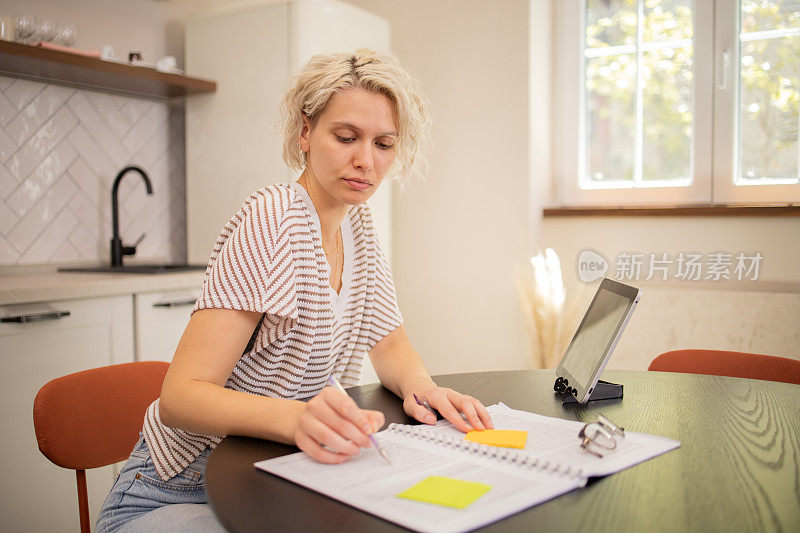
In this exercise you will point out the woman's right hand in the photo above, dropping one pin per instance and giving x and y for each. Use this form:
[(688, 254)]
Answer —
[(333, 420)]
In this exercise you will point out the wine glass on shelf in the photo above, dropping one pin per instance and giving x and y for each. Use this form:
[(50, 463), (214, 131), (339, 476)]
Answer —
[(47, 30), (24, 28), (67, 34)]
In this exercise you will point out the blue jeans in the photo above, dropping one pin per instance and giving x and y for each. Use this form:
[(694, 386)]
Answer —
[(141, 501)]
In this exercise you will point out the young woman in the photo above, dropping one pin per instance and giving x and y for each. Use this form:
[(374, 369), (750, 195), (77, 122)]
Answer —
[(299, 273)]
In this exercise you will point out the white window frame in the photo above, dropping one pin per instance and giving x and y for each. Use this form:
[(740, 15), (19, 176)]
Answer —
[(715, 118), (726, 114)]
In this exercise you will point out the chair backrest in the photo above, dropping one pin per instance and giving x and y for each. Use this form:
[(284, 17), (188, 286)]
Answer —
[(733, 364), (93, 418)]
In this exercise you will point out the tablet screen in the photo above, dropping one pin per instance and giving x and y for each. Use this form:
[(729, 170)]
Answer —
[(595, 335)]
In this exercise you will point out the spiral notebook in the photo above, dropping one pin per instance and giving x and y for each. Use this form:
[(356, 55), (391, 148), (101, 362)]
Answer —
[(551, 464)]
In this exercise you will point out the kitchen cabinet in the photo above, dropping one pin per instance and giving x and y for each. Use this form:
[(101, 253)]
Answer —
[(160, 319), (79, 321), (65, 336)]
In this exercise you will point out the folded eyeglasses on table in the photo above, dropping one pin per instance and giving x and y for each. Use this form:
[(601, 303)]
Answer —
[(599, 437)]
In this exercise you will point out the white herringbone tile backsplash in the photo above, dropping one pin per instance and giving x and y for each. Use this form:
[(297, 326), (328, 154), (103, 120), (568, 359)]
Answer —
[(60, 150)]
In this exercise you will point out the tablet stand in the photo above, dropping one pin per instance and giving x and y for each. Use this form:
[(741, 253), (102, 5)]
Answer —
[(602, 391)]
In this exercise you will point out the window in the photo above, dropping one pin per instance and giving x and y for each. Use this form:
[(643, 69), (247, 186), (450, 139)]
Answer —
[(677, 101)]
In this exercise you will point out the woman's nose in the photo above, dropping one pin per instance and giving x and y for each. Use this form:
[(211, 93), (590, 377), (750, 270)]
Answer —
[(363, 158)]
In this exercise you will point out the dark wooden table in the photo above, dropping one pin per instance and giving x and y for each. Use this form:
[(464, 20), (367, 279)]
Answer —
[(738, 467)]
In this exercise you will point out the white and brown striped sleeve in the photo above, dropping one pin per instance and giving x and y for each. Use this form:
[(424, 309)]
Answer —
[(249, 270)]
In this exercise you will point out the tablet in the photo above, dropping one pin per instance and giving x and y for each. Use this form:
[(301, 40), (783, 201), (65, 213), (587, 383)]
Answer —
[(596, 337)]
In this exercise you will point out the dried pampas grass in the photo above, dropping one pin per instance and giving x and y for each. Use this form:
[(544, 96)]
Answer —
[(551, 315)]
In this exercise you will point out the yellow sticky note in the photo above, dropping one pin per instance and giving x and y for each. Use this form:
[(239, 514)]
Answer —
[(445, 491), (504, 438)]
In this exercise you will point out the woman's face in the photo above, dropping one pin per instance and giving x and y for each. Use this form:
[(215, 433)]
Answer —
[(352, 145)]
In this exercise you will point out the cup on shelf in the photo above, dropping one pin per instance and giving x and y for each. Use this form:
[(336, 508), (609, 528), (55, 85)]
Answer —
[(107, 52), (135, 57), (167, 64)]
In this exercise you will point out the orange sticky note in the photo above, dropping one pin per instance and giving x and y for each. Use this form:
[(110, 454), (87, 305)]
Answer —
[(504, 438)]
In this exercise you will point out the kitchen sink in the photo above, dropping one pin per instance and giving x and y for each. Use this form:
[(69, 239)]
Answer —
[(135, 269)]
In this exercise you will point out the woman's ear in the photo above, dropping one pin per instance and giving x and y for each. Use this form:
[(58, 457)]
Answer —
[(304, 132)]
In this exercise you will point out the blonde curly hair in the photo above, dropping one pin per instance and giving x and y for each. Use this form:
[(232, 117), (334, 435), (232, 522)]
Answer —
[(323, 76)]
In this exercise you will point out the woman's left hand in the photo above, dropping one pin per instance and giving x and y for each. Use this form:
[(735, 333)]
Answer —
[(451, 405)]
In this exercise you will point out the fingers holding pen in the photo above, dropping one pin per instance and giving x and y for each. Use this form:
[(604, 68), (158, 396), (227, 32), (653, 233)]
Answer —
[(441, 399), (315, 443), (343, 419), (368, 422), (419, 408), (332, 428), (342, 426)]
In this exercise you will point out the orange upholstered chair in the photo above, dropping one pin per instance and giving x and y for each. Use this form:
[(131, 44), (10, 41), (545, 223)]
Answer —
[(93, 418), (733, 364)]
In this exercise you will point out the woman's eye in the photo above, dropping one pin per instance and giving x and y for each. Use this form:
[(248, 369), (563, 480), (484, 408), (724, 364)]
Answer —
[(384, 146), (345, 139)]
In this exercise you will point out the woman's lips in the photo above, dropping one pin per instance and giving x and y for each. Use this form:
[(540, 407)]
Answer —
[(357, 184)]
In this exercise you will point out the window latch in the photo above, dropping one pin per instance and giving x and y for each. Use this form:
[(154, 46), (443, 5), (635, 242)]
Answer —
[(723, 67)]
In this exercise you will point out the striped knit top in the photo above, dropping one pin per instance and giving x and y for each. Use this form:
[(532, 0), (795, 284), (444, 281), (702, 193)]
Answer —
[(269, 259)]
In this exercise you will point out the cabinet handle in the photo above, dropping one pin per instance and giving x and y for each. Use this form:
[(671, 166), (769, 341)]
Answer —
[(176, 303), (34, 317)]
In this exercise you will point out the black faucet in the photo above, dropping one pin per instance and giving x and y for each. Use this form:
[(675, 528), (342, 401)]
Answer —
[(117, 248)]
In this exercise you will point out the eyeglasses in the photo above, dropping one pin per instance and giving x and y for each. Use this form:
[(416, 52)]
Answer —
[(598, 437)]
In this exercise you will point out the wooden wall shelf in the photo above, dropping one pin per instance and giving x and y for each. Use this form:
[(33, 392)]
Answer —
[(42, 64)]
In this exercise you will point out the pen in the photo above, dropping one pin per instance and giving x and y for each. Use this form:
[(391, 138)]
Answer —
[(424, 403), (338, 386)]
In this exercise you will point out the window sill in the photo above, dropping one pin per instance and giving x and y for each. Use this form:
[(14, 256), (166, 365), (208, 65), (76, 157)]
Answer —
[(702, 210)]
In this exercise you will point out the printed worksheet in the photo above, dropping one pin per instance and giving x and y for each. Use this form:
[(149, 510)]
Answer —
[(552, 463)]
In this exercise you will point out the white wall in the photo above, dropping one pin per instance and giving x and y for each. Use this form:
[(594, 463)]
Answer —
[(740, 321), (459, 237), (775, 238)]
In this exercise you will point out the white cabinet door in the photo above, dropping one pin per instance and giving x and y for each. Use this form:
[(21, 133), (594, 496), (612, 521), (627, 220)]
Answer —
[(36, 495), (161, 318)]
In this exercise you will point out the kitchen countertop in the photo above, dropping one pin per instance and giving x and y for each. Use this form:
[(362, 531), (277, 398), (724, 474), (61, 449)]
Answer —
[(48, 285)]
